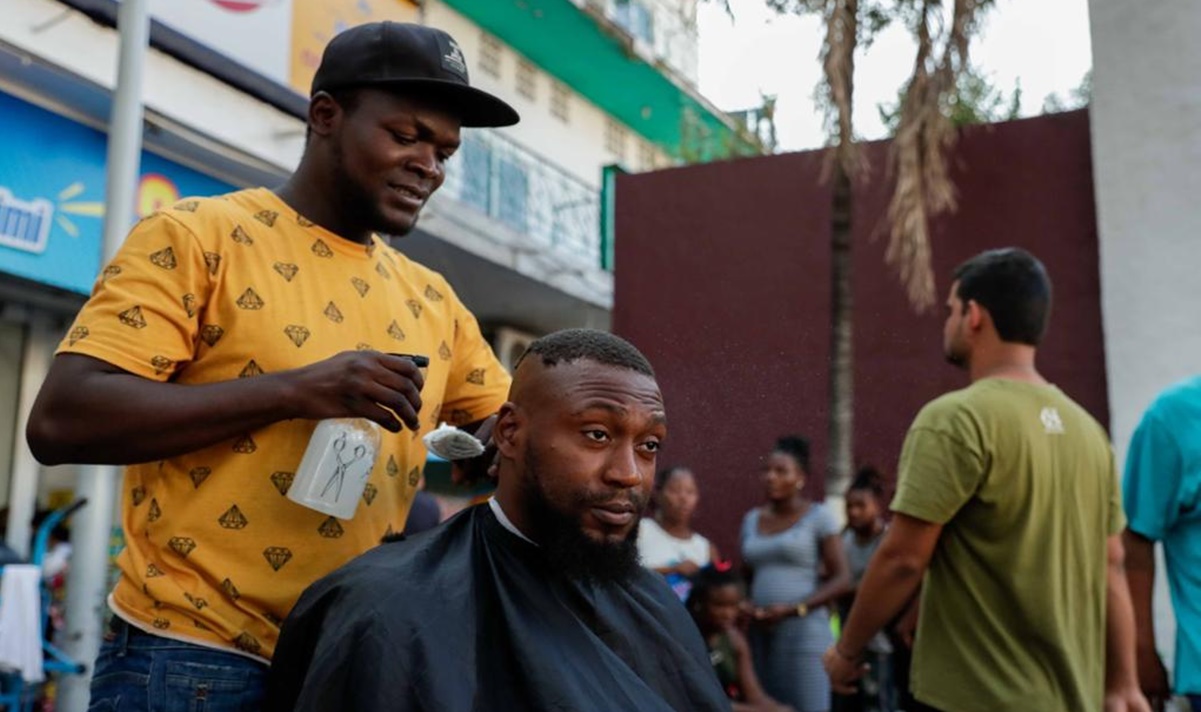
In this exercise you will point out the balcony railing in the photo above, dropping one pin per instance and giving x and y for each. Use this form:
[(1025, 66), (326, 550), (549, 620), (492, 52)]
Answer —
[(525, 192), (661, 26)]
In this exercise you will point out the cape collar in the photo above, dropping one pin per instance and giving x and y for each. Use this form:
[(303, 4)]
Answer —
[(504, 520)]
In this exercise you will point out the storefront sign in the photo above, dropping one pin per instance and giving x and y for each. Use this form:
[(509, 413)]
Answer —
[(279, 39), (52, 173)]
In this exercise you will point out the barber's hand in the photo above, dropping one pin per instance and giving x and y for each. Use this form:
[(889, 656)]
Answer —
[(358, 384), (687, 568), (483, 467), (843, 671), (1153, 678)]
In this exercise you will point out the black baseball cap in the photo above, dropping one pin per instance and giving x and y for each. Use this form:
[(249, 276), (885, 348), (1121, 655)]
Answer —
[(405, 56)]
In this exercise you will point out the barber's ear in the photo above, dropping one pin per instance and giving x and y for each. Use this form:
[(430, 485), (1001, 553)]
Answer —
[(324, 113), (507, 433)]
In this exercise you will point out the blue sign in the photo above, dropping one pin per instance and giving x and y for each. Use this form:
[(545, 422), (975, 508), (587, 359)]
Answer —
[(52, 173)]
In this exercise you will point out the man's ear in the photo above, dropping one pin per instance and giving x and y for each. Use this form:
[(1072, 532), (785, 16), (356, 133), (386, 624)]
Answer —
[(976, 315), (324, 114), (508, 431)]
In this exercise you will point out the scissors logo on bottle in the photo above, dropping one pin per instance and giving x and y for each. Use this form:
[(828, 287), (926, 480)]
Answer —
[(342, 466)]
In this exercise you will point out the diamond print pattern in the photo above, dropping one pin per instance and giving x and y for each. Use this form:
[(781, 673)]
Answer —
[(164, 258), (286, 270), (133, 317), (277, 556), (298, 334), (211, 334), (282, 481), (199, 475)]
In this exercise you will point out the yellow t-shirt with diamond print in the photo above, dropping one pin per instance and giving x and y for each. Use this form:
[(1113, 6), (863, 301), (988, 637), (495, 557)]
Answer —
[(234, 287)]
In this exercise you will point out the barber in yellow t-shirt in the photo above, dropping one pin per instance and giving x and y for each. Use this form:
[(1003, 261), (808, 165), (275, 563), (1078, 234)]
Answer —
[(225, 328)]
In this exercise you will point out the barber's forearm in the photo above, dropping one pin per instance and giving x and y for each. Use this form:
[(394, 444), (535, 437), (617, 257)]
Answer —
[(122, 419), (889, 584)]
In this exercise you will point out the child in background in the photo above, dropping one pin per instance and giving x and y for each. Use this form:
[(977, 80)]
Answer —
[(667, 543), (864, 531), (716, 602)]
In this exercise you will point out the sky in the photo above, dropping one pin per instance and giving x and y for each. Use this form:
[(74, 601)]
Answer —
[(1043, 44)]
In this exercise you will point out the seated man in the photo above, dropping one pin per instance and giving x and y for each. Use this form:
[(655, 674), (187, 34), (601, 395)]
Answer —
[(534, 602)]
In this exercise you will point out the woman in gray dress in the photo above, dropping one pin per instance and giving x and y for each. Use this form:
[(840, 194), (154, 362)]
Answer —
[(794, 554)]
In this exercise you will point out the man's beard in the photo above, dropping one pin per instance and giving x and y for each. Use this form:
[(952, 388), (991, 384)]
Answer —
[(567, 548), (956, 354)]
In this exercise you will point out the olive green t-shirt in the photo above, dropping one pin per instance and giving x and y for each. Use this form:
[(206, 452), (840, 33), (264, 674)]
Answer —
[(1013, 609)]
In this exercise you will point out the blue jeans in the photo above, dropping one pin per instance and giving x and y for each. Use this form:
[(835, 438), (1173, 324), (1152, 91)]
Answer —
[(139, 672)]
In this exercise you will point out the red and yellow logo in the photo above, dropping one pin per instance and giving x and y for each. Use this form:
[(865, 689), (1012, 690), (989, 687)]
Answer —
[(241, 5), (155, 192)]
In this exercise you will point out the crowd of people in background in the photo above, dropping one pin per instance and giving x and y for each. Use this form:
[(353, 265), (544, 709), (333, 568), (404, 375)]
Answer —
[(767, 622)]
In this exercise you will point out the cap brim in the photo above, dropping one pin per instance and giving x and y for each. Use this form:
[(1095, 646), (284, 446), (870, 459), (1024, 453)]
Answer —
[(476, 108)]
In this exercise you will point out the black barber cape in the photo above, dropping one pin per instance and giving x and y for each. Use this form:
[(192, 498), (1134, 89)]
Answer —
[(469, 617)]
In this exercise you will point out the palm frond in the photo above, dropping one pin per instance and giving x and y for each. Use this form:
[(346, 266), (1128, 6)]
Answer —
[(924, 137)]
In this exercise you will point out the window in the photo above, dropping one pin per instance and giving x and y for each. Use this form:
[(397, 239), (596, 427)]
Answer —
[(476, 172), (527, 77), (615, 139), (560, 100), (490, 53), (636, 18), (514, 183)]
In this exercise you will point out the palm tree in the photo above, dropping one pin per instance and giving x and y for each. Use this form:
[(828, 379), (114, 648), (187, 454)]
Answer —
[(917, 162)]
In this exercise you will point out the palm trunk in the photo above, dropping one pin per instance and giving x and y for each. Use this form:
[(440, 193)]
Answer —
[(842, 366), (842, 39)]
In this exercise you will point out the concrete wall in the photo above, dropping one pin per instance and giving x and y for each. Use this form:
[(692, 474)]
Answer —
[(1146, 123), (722, 279)]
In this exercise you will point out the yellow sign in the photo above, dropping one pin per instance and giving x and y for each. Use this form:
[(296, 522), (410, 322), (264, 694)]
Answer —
[(315, 22)]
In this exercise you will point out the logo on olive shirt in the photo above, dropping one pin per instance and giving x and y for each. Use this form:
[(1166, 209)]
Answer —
[(1052, 423)]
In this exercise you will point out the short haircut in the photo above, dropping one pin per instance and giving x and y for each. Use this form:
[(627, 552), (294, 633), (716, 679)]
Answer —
[(795, 447), (1015, 289), (868, 479), (570, 345)]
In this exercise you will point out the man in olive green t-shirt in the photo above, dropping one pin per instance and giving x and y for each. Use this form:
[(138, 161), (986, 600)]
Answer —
[(1008, 504)]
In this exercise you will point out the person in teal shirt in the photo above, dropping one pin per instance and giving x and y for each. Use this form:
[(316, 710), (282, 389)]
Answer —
[(1162, 493)]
